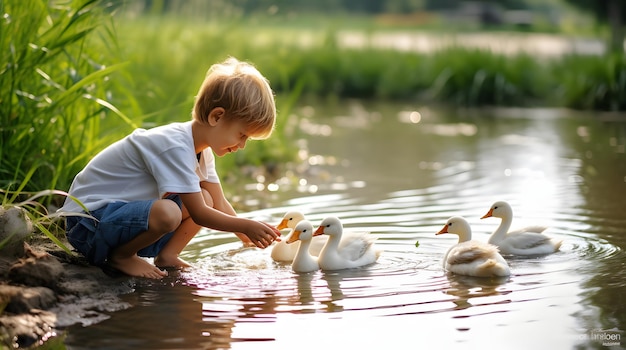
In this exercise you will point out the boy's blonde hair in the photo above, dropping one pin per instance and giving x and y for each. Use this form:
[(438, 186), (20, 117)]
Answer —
[(243, 92)]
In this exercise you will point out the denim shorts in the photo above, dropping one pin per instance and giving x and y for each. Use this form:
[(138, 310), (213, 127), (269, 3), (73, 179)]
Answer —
[(116, 224)]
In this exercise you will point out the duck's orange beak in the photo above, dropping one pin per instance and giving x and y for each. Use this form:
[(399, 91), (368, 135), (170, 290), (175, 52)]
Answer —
[(319, 231), (489, 214), (294, 236), (443, 230), (282, 225)]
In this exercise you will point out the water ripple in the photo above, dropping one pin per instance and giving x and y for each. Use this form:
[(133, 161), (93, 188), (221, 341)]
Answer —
[(236, 283)]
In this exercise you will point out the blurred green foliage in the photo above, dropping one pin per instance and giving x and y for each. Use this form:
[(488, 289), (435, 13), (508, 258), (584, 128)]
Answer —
[(593, 83)]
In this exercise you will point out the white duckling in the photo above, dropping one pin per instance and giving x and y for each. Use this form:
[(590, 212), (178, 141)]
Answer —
[(283, 252), (354, 250), (525, 241), (469, 257), (303, 261)]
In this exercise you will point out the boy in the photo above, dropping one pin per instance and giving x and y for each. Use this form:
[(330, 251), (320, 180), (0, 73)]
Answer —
[(153, 190)]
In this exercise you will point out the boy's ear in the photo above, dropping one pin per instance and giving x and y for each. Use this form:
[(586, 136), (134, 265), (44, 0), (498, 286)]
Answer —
[(215, 115)]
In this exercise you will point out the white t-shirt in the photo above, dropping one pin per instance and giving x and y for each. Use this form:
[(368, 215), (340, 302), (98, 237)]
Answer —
[(144, 165)]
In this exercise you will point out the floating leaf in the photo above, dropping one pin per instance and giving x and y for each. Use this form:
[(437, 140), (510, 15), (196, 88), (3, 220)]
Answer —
[(417, 244)]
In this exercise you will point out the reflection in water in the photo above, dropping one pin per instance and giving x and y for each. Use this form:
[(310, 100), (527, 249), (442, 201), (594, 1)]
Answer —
[(602, 180), (333, 281), (163, 313), (305, 291), (467, 288), (400, 175)]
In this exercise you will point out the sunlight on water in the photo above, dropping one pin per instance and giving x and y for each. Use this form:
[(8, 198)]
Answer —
[(406, 281)]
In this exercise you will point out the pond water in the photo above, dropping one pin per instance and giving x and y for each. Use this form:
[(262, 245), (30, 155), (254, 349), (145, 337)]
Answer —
[(400, 172)]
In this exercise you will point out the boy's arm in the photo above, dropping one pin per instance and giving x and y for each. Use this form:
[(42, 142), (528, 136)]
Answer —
[(222, 204), (206, 213)]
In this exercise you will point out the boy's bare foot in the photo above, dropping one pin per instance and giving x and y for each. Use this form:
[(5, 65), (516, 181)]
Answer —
[(136, 266), (174, 261)]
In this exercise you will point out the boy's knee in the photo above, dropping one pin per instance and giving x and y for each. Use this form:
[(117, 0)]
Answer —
[(165, 215)]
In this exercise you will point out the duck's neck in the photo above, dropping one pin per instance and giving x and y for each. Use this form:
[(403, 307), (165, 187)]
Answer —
[(501, 231), (465, 233), (465, 236), (303, 251), (332, 245), (304, 261)]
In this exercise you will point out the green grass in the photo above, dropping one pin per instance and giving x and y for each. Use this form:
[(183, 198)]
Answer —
[(468, 77), (592, 83), (53, 92), (39, 215)]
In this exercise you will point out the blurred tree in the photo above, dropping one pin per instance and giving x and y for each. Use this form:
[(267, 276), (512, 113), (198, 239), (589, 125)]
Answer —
[(611, 11), (403, 6), (323, 6), (452, 4)]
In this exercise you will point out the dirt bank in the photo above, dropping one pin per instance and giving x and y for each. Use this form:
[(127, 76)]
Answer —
[(47, 289)]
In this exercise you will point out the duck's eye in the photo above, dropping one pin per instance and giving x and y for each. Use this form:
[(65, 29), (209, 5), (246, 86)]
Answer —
[(450, 224), (290, 219), (496, 207), (328, 225)]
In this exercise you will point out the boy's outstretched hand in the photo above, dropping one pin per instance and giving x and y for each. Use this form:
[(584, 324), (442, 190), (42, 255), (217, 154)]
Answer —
[(263, 234)]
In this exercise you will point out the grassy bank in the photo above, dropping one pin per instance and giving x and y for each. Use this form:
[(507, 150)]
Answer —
[(54, 111), (169, 53)]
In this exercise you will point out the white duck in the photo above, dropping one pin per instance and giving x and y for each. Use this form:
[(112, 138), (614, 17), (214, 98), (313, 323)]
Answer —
[(469, 257), (354, 250), (525, 241), (283, 252), (303, 261)]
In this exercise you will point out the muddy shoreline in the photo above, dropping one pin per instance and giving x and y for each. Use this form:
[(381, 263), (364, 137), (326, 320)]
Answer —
[(46, 289)]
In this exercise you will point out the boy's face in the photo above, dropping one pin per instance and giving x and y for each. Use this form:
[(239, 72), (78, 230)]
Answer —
[(229, 136)]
